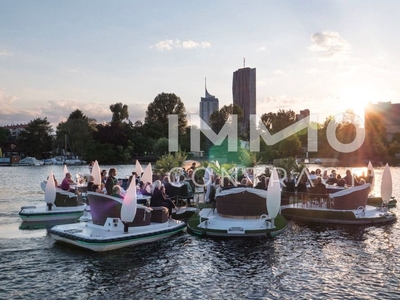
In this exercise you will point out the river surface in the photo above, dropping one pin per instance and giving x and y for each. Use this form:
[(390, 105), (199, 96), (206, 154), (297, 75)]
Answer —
[(302, 263)]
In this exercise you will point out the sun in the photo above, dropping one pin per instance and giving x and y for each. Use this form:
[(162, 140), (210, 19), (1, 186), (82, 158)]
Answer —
[(356, 99)]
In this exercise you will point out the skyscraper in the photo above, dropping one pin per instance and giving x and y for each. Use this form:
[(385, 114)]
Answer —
[(244, 94), (208, 105)]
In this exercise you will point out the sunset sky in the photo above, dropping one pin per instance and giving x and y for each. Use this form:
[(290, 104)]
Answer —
[(327, 56)]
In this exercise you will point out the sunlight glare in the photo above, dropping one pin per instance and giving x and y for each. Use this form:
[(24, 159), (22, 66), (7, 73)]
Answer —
[(357, 98)]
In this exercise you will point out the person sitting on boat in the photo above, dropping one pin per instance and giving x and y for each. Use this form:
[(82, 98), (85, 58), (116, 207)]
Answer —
[(340, 181), (261, 184), (170, 190), (245, 183), (143, 188), (111, 180), (91, 166), (186, 189), (159, 198), (55, 180), (90, 182), (131, 177), (96, 188), (313, 176), (332, 178), (67, 181), (349, 179), (104, 176), (301, 187), (227, 184), (369, 178), (116, 192)]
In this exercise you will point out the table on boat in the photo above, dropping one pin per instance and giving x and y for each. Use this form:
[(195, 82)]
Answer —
[(330, 189), (143, 199), (79, 187)]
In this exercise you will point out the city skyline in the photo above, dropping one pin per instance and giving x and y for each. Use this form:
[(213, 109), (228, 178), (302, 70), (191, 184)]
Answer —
[(325, 56)]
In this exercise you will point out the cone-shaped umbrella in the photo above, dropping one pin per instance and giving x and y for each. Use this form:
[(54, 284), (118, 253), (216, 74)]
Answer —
[(96, 173), (129, 205), (147, 174), (50, 191)]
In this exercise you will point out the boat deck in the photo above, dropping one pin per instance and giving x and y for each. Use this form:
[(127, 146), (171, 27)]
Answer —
[(92, 231), (362, 212), (218, 222)]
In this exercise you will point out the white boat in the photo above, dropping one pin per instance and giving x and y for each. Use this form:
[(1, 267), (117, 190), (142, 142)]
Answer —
[(107, 231), (29, 161), (239, 212), (66, 207), (346, 207)]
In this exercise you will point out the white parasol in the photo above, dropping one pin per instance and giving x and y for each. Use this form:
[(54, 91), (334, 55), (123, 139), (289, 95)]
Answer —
[(273, 195), (50, 191), (386, 185), (129, 205), (96, 173)]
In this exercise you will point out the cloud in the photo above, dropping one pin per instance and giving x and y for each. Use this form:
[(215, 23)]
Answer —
[(6, 100), (312, 71), (6, 53), (330, 45), (57, 111), (9, 114), (261, 48), (174, 44)]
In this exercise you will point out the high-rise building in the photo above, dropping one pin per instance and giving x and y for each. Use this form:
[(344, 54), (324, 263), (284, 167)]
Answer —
[(208, 105), (244, 95), (388, 112)]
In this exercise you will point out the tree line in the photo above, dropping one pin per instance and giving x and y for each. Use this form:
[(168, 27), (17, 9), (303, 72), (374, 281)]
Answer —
[(120, 140)]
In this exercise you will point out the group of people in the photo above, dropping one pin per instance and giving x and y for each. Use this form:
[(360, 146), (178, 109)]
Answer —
[(319, 181), (348, 180)]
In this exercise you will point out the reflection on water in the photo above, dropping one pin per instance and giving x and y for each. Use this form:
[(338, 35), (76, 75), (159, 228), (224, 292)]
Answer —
[(305, 262)]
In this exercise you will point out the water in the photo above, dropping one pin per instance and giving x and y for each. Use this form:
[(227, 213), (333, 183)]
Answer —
[(303, 263)]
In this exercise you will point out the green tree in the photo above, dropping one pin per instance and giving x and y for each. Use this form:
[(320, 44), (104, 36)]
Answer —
[(290, 147), (169, 161), (219, 118), (36, 139), (119, 112), (161, 146), (4, 135), (275, 122), (76, 134), (157, 113)]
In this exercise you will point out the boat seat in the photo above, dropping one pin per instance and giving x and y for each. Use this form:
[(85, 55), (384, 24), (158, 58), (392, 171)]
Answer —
[(184, 195), (105, 206), (65, 199), (242, 202), (351, 198), (159, 214)]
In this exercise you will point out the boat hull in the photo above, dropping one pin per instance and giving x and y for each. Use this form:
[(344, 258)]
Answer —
[(363, 216), (209, 223), (377, 201), (184, 213), (42, 214), (111, 236)]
